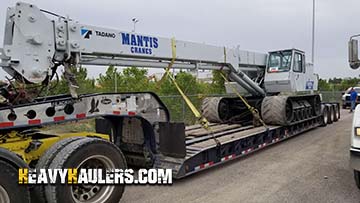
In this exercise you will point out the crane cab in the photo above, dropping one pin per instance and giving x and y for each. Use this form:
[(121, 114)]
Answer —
[(287, 71)]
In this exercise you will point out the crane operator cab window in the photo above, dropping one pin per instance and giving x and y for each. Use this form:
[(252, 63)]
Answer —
[(298, 63), (279, 61)]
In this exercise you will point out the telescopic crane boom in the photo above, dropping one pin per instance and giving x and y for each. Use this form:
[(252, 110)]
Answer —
[(35, 45)]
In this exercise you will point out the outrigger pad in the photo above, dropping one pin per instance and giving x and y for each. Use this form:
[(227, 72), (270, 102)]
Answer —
[(172, 139)]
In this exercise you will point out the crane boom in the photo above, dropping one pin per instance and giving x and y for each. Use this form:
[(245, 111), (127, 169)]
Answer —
[(35, 45)]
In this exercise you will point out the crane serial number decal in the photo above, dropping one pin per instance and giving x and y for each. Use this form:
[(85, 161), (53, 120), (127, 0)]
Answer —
[(140, 44)]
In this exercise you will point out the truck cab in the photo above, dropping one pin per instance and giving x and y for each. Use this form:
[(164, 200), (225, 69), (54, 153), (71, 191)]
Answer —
[(287, 71), (354, 63), (355, 146)]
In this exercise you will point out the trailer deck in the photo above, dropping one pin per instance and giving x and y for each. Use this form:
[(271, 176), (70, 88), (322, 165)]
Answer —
[(225, 142)]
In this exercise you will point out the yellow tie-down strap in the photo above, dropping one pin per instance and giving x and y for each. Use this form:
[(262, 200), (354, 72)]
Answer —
[(203, 121), (173, 58)]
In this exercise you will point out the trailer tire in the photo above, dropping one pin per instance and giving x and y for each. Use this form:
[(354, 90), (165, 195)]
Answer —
[(338, 109), (324, 116), (38, 192), (87, 152), (336, 112), (10, 190), (357, 178), (330, 113)]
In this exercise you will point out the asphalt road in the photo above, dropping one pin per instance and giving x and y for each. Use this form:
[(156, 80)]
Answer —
[(311, 167)]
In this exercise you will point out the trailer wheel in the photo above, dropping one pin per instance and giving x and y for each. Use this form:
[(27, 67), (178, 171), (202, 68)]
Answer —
[(38, 193), (324, 116), (357, 178), (10, 190), (336, 112), (330, 113), (87, 153)]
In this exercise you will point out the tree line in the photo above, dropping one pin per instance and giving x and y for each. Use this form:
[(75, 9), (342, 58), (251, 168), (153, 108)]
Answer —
[(338, 84), (133, 79)]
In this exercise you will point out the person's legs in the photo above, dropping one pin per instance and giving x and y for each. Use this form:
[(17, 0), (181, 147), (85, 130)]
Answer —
[(352, 106)]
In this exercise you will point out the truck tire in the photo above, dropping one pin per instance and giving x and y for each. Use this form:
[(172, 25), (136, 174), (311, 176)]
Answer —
[(10, 190), (277, 110), (12, 158), (92, 153), (357, 178), (9, 165), (324, 116), (38, 192)]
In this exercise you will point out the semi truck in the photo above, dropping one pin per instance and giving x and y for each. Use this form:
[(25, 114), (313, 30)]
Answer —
[(355, 130), (135, 128)]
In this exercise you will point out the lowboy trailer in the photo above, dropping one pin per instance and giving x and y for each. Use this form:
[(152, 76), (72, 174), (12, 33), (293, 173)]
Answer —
[(135, 128)]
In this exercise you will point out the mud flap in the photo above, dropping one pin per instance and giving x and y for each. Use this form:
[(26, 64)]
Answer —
[(172, 139)]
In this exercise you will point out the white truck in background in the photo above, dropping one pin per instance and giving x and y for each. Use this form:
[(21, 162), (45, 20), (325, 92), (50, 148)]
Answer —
[(355, 130)]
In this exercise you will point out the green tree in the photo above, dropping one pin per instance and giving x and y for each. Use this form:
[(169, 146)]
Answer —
[(131, 79), (106, 82), (187, 82), (346, 83), (193, 88), (135, 80), (218, 83), (335, 80), (323, 85)]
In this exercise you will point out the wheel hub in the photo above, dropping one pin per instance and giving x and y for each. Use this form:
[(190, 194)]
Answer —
[(325, 118), (90, 193), (4, 197)]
